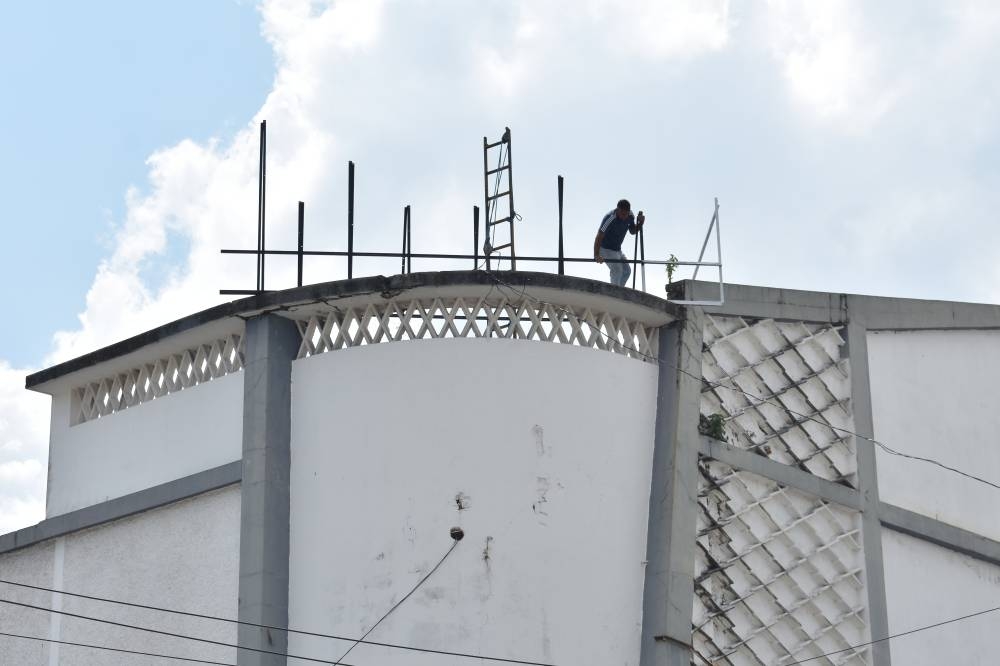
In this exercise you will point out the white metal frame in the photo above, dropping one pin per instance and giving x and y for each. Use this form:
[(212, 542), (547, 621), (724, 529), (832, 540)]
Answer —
[(713, 224)]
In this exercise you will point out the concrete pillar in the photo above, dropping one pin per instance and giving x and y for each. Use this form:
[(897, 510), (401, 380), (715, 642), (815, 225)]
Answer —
[(272, 342), (668, 593), (871, 526)]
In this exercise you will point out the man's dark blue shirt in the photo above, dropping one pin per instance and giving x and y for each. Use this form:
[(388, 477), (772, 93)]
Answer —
[(614, 230)]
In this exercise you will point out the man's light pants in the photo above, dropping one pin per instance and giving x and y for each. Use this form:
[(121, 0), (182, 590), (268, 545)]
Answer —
[(620, 270)]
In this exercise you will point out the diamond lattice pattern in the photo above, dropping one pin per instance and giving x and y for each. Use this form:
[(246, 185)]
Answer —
[(778, 574), (524, 319), (152, 380), (795, 367)]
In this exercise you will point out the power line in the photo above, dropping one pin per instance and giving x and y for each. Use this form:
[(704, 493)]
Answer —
[(172, 634), (289, 630), (457, 537), (905, 633), (112, 649), (756, 400)]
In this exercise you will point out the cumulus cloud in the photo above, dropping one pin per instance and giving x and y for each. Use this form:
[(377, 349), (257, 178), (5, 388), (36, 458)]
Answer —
[(830, 64), (23, 451), (838, 135)]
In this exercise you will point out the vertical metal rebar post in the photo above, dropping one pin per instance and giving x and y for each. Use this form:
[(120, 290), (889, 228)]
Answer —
[(635, 257), (350, 220), (642, 256), (562, 267), (402, 254), (261, 201), (302, 232), (409, 239), (475, 237)]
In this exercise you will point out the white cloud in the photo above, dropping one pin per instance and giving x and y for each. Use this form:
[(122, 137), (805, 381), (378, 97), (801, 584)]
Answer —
[(23, 451), (549, 36), (832, 63), (681, 29)]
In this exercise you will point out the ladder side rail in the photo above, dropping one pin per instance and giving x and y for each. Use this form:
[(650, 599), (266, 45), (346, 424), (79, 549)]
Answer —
[(510, 197), (487, 249)]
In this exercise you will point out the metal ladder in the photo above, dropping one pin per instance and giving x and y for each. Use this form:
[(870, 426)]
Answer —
[(494, 202)]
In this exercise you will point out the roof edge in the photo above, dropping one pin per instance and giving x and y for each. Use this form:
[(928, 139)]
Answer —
[(874, 312), (342, 288)]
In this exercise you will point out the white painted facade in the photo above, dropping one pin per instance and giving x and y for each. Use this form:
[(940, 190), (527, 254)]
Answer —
[(927, 584), (169, 438), (934, 394), (183, 556), (417, 410), (539, 452)]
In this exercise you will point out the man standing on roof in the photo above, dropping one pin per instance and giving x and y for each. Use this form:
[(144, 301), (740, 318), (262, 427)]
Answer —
[(608, 242)]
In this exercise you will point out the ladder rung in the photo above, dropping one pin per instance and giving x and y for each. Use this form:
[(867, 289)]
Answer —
[(493, 171), (494, 145), (500, 221), (497, 196), (500, 247)]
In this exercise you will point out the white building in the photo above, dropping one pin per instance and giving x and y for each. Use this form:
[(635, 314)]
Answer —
[(276, 460)]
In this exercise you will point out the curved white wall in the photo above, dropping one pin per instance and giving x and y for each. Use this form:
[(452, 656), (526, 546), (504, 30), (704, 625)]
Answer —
[(933, 395), (548, 449), (167, 438)]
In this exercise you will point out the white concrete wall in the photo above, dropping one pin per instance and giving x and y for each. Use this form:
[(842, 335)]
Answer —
[(183, 556), (548, 449), (167, 438), (32, 566), (934, 395), (926, 584)]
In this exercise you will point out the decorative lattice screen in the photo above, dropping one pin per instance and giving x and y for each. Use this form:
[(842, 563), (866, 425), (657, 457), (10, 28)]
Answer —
[(779, 574), (521, 319), (796, 367), (152, 380)]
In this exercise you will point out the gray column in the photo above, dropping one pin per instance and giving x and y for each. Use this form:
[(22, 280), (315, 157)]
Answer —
[(871, 527), (668, 593), (272, 342)]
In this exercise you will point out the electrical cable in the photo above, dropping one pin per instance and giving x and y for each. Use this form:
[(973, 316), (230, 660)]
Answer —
[(400, 602), (123, 650), (314, 634), (887, 638), (172, 634), (755, 400)]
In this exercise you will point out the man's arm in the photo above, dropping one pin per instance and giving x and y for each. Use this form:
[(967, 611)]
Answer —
[(597, 247)]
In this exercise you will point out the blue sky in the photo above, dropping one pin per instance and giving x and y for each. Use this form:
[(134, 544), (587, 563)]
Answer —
[(91, 90), (853, 146)]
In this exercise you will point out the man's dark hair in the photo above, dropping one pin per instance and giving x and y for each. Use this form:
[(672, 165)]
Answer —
[(624, 204)]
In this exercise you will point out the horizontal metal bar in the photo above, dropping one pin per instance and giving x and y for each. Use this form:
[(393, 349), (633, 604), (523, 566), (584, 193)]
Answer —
[(494, 145), (493, 171), (497, 196), (500, 221), (434, 255), (500, 247)]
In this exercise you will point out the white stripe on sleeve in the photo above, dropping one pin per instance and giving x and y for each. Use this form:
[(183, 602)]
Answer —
[(607, 221)]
